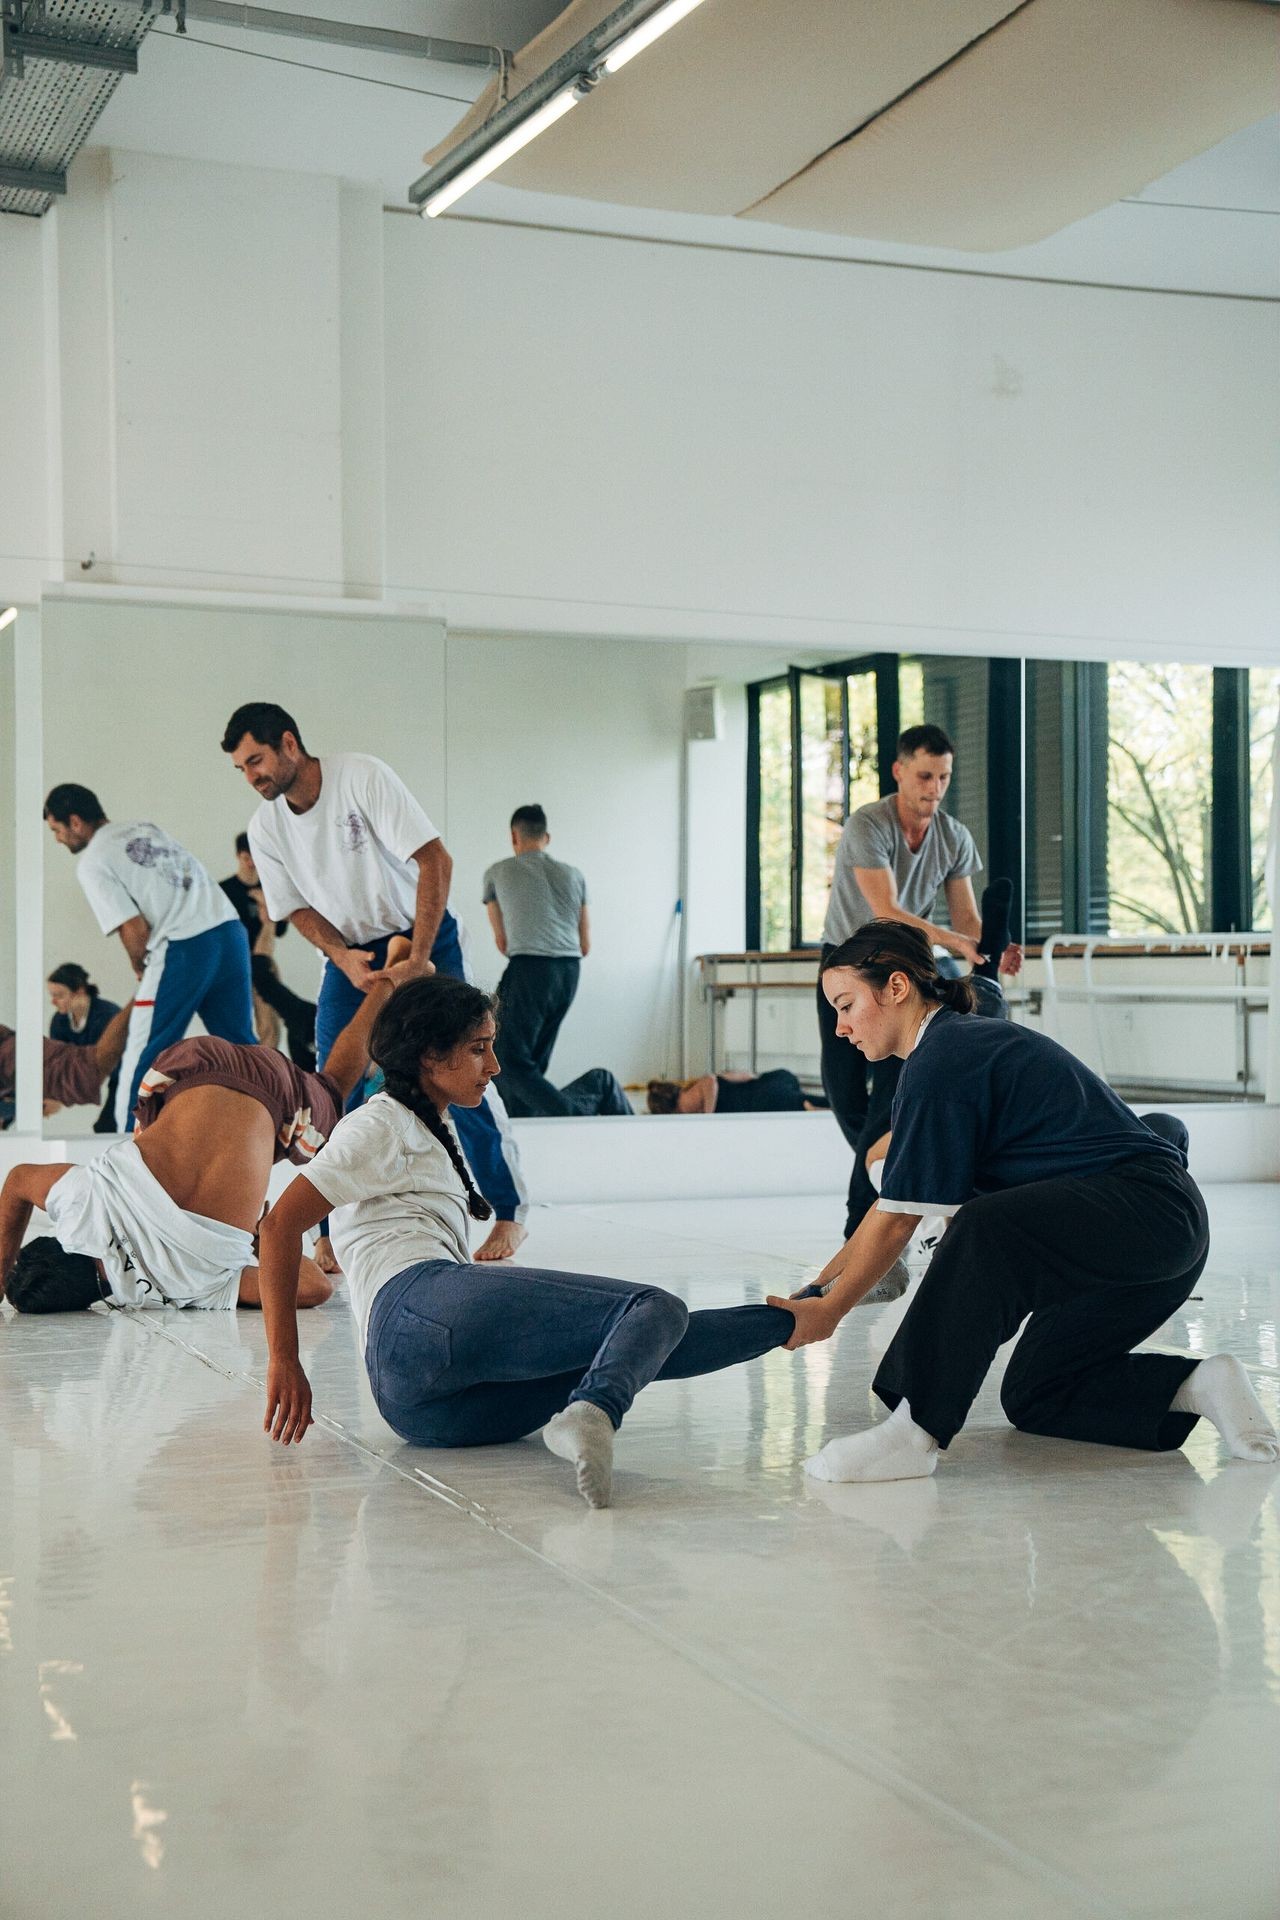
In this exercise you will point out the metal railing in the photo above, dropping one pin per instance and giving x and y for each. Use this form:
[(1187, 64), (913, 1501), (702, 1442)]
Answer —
[(1247, 997)]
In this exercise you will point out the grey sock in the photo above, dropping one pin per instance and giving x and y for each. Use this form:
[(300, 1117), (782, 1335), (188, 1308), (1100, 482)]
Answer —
[(583, 1434), (891, 1287)]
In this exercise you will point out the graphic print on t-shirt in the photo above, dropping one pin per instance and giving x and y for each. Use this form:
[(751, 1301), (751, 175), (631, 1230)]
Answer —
[(355, 834), (168, 861)]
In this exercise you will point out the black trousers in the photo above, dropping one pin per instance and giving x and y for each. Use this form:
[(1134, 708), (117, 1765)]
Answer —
[(860, 1094), (534, 995), (1099, 1261), (299, 1015)]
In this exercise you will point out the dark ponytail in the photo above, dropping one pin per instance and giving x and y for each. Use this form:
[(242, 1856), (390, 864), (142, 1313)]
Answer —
[(432, 1019), (884, 947), (74, 978)]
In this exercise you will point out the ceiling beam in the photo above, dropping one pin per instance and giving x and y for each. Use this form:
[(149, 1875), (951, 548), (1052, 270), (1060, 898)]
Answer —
[(28, 181), (20, 46), (337, 33)]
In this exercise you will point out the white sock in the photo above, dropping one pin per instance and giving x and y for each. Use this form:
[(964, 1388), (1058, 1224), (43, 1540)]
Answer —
[(583, 1434), (895, 1450), (1220, 1390)]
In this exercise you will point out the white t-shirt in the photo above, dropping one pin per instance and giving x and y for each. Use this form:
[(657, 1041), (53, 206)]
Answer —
[(348, 856), (397, 1199), (155, 1254), (134, 867)]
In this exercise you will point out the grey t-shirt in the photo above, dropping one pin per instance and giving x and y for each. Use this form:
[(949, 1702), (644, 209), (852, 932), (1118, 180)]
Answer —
[(540, 900), (873, 837)]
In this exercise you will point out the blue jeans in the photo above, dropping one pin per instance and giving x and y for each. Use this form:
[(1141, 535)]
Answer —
[(491, 1154), (207, 977), (473, 1356)]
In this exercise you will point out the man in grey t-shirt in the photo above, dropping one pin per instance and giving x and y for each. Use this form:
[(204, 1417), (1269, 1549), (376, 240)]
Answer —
[(538, 912), (894, 857)]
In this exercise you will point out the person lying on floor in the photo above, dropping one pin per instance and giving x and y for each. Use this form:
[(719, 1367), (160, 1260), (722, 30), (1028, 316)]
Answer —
[(777, 1091), (167, 1217), (1062, 1204), (73, 1074), (594, 1095), (461, 1353)]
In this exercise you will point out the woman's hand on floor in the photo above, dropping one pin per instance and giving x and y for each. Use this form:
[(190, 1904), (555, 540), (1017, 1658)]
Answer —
[(288, 1401), (814, 1320)]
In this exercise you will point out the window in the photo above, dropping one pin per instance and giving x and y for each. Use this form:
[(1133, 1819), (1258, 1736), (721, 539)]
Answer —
[(1264, 721), (822, 790), (1159, 798), (769, 791), (1148, 788), (815, 746), (822, 744)]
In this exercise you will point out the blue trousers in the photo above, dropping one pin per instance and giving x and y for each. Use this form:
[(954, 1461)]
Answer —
[(489, 1155), (206, 977), (473, 1356)]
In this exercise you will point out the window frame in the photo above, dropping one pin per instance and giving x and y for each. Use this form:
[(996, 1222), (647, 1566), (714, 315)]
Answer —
[(1085, 785)]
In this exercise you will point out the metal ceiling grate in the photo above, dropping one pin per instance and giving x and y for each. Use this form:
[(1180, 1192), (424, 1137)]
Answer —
[(46, 115)]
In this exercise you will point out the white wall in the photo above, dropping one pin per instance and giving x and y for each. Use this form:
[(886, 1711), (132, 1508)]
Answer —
[(28, 546), (823, 453), (257, 380)]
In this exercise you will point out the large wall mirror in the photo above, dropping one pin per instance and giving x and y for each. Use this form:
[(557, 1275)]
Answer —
[(1129, 803), (8, 869)]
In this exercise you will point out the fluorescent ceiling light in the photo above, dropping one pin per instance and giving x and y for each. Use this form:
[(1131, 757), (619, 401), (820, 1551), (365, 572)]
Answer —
[(647, 32), (8, 617), (543, 117)]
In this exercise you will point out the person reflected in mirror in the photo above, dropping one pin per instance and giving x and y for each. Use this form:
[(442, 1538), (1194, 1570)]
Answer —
[(458, 1354), (893, 858), (538, 913), (81, 1015), (184, 942), (168, 1216), (344, 851), (1061, 1204), (777, 1091), (594, 1095), (73, 1073), (273, 1002)]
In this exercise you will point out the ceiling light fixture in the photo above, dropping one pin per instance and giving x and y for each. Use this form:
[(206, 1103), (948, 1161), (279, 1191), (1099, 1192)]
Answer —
[(617, 40), (537, 122), (647, 32), (8, 617)]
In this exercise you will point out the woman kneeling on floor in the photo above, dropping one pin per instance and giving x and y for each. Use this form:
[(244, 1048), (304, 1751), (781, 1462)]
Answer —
[(462, 1354), (1066, 1207)]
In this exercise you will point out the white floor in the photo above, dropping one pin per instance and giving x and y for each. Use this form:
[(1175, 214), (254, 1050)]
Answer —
[(363, 1680)]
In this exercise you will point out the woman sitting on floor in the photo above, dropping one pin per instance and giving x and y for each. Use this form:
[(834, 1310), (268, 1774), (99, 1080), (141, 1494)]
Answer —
[(463, 1354)]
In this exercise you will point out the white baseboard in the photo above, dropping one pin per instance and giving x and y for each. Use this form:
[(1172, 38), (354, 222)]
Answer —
[(741, 1155)]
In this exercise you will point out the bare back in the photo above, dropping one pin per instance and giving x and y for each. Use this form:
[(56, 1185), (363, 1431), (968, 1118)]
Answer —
[(212, 1150)]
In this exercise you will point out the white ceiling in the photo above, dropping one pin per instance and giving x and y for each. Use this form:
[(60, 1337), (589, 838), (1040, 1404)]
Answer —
[(1212, 225)]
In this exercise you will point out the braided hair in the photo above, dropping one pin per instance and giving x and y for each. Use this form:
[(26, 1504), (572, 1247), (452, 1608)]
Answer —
[(884, 947), (429, 1019)]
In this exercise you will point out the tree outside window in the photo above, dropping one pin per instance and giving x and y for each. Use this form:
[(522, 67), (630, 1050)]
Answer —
[(775, 817), (1159, 797), (1264, 716)]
